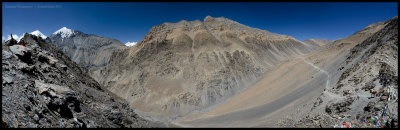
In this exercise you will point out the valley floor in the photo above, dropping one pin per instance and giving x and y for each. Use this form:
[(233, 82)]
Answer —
[(281, 93)]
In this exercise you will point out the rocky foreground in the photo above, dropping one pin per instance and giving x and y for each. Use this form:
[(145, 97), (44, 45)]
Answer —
[(42, 87)]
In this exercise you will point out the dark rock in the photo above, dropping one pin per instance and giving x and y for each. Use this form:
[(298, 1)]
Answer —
[(11, 42), (340, 107), (385, 93), (394, 123), (328, 109), (369, 106)]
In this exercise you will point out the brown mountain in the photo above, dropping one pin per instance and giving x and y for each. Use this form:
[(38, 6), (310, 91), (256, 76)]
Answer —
[(192, 65), (317, 43), (317, 89)]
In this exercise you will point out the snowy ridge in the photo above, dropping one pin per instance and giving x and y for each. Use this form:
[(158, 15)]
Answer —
[(64, 32), (39, 34)]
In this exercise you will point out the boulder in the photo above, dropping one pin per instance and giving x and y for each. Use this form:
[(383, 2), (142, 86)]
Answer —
[(52, 89), (379, 106), (7, 79), (384, 98), (36, 117), (385, 93), (7, 55), (19, 50), (23, 53), (25, 67), (369, 106), (47, 59)]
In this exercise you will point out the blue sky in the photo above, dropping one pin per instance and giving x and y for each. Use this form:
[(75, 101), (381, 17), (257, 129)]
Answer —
[(131, 21)]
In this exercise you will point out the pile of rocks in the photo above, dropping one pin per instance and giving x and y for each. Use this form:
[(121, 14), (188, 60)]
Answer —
[(340, 107)]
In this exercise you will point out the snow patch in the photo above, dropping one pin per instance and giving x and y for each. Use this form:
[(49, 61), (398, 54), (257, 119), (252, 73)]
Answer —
[(39, 34), (130, 44)]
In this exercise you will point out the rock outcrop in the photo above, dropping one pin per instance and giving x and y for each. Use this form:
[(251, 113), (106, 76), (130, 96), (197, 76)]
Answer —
[(42, 87)]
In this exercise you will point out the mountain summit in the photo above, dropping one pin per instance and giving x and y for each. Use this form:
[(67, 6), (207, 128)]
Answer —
[(64, 32), (39, 34)]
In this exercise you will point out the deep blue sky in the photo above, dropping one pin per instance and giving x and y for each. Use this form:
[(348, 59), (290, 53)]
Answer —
[(131, 21)]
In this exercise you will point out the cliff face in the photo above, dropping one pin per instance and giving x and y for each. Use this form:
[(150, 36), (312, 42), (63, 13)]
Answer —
[(42, 87), (192, 65)]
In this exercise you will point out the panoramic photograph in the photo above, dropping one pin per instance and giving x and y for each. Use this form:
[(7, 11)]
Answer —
[(199, 64)]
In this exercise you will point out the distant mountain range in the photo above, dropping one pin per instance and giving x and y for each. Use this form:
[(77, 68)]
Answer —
[(89, 51)]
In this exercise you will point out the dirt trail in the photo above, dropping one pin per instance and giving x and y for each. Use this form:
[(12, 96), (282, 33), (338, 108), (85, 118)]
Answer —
[(316, 67)]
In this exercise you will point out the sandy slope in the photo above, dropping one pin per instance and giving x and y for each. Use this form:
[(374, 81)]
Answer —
[(294, 83)]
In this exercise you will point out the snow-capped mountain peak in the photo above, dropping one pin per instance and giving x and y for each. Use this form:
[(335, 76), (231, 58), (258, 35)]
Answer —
[(14, 36), (130, 43), (39, 34), (65, 32)]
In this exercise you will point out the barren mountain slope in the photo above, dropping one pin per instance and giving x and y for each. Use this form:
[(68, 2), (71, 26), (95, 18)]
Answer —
[(89, 51), (285, 93), (283, 90), (331, 54), (317, 43), (42, 87), (186, 66)]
